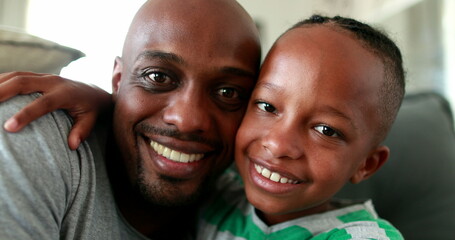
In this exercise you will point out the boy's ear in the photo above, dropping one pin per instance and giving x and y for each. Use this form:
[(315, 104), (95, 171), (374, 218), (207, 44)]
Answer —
[(371, 164), (116, 76)]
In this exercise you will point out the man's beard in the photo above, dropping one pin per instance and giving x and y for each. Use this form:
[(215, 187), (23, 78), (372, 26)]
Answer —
[(165, 191)]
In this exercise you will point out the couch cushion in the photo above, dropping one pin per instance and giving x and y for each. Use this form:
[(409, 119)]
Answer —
[(415, 189), (20, 51)]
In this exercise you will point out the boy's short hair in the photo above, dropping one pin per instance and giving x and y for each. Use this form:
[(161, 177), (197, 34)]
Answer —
[(393, 89)]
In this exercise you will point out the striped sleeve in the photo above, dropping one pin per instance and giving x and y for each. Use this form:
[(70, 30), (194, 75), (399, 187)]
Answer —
[(378, 229)]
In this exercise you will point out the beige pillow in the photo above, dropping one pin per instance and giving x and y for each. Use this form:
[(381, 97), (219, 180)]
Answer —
[(20, 51)]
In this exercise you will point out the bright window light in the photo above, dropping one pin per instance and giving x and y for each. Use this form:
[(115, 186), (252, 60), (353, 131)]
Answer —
[(96, 28)]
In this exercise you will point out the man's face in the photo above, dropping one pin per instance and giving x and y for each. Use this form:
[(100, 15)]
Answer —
[(311, 123), (180, 92)]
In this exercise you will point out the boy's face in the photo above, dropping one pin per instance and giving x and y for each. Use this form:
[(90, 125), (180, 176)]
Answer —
[(311, 122)]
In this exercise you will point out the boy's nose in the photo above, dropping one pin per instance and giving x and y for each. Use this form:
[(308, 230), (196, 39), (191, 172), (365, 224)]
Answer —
[(284, 142)]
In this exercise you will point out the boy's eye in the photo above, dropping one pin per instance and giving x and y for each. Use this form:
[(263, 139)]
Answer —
[(327, 131), (266, 107)]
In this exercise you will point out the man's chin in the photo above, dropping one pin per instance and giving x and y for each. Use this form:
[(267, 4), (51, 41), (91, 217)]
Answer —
[(169, 192)]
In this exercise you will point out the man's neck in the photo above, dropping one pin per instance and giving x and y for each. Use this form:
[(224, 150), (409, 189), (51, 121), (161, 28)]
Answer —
[(156, 221)]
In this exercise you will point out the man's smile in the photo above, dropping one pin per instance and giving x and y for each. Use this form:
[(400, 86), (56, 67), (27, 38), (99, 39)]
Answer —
[(175, 155)]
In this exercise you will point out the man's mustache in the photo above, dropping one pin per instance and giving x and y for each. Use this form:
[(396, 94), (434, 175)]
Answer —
[(192, 137)]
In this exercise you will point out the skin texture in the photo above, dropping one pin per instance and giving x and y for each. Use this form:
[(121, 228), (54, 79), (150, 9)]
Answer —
[(183, 81), (311, 119)]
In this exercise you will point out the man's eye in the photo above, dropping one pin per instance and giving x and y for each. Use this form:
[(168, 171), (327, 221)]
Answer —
[(266, 107), (157, 80), (229, 98), (229, 93), (158, 77), (327, 131)]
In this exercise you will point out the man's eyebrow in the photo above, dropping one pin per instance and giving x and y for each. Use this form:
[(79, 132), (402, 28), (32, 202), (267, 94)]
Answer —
[(171, 57), (163, 56), (239, 72)]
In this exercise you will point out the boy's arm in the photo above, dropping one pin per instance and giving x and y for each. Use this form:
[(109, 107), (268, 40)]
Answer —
[(82, 102), (36, 175)]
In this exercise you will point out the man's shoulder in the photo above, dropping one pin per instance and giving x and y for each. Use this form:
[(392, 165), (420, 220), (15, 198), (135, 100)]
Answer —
[(46, 123), (40, 150), (43, 182), (38, 173), (44, 139)]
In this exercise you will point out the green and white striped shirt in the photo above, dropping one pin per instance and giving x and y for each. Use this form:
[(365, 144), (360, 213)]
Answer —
[(230, 216)]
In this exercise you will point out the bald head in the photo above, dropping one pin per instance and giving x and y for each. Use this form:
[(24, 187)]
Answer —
[(188, 68), (223, 21)]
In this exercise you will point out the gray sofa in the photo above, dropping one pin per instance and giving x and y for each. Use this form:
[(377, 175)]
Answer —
[(415, 189)]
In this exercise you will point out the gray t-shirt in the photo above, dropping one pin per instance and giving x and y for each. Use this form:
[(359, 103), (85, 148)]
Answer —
[(48, 191)]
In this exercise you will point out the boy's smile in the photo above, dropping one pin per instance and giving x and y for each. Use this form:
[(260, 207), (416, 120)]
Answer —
[(311, 123), (273, 179), (274, 176)]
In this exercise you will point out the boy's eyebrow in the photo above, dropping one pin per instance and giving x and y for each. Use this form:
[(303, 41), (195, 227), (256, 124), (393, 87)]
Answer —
[(270, 86), (326, 109), (164, 56), (336, 112)]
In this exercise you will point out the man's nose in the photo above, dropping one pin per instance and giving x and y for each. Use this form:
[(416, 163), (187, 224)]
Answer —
[(189, 111)]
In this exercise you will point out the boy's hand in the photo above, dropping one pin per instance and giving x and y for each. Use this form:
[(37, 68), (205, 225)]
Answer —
[(83, 102)]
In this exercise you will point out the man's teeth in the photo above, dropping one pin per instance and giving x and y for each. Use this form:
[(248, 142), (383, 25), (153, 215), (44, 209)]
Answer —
[(274, 176), (173, 155)]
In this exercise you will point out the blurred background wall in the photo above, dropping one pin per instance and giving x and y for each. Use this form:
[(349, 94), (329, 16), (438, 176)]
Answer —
[(423, 29)]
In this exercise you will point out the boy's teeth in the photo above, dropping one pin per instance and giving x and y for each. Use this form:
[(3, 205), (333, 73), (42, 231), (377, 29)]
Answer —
[(174, 155), (274, 176)]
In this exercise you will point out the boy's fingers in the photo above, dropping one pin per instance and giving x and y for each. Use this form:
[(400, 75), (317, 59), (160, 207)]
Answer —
[(29, 113), (7, 76), (81, 130), (11, 125), (73, 140), (12, 86)]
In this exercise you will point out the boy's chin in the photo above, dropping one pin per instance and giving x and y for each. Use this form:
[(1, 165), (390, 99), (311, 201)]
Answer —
[(273, 211), (267, 207)]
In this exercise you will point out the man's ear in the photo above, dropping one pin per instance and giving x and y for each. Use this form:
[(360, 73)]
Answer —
[(371, 164), (116, 76)]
